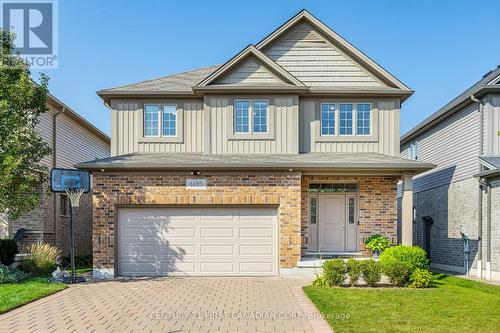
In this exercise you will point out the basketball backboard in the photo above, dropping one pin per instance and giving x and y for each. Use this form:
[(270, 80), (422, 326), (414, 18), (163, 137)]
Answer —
[(63, 179)]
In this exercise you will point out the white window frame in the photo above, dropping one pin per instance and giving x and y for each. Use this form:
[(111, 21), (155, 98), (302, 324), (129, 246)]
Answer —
[(158, 130), (413, 150), (371, 120), (159, 133), (249, 116), (334, 119), (162, 120), (353, 119), (252, 106)]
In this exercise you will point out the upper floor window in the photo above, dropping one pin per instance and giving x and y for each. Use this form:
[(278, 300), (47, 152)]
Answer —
[(327, 119), (169, 120), (346, 116), (413, 150), (156, 115), (260, 117), (352, 119), (364, 119), (250, 116)]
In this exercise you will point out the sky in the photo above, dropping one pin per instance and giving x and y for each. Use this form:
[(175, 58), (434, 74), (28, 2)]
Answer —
[(437, 48)]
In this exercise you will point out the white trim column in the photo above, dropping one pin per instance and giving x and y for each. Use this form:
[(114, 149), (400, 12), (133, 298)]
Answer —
[(407, 211)]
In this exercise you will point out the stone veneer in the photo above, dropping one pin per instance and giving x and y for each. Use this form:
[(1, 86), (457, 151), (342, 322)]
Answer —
[(376, 205), (114, 189)]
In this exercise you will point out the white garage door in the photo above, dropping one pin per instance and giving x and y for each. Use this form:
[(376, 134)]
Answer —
[(197, 241)]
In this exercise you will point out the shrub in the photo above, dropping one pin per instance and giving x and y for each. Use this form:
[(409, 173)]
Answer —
[(420, 278), (377, 243), (320, 281), (334, 272), (371, 272), (8, 250), (398, 273), (413, 256), (43, 259), (11, 274), (354, 270)]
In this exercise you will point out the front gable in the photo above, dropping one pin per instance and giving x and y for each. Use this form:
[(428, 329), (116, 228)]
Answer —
[(307, 55), (249, 71)]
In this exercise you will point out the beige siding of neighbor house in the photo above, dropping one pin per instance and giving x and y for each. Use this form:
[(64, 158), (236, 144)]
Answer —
[(317, 62), (77, 144), (453, 146), (492, 125), (127, 128), (249, 72), (284, 111), (385, 122)]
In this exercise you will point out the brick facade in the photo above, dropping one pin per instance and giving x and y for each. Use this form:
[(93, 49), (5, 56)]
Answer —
[(111, 190), (376, 206), (287, 191)]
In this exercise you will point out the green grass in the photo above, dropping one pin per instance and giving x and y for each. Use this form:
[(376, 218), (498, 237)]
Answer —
[(82, 270), (13, 295), (452, 305)]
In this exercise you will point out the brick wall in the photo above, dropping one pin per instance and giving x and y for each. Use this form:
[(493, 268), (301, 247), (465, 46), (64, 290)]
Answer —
[(114, 189), (376, 206)]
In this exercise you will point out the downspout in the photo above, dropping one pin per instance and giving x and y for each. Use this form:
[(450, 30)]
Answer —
[(488, 230), (54, 164), (480, 192)]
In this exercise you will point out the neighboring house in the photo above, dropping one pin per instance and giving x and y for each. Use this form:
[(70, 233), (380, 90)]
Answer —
[(290, 149), (463, 139), (72, 140)]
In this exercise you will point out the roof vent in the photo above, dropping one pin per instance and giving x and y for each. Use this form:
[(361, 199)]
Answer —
[(485, 75)]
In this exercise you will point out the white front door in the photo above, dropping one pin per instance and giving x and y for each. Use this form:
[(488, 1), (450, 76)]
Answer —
[(333, 223)]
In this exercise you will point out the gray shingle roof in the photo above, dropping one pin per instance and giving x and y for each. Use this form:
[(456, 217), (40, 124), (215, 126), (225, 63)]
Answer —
[(464, 97), (187, 161), (491, 160), (181, 82)]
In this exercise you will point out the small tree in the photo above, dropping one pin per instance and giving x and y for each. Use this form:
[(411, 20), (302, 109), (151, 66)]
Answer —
[(21, 147)]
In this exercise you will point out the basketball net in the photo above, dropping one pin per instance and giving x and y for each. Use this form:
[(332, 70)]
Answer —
[(74, 195)]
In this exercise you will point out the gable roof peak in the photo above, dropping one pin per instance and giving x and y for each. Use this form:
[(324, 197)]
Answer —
[(251, 50)]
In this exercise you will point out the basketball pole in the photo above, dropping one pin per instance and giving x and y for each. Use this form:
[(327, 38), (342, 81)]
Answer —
[(72, 245)]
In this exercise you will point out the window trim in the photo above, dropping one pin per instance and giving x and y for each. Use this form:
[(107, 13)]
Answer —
[(179, 110), (251, 135), (317, 135)]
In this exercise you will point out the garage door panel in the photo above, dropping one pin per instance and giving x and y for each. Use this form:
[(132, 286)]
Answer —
[(216, 232), (246, 232), (219, 250), (194, 241)]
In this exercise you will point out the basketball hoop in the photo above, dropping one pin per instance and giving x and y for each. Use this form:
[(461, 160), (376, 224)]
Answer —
[(74, 195)]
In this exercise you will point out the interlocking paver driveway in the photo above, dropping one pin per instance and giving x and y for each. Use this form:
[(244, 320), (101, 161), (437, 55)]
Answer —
[(171, 305)]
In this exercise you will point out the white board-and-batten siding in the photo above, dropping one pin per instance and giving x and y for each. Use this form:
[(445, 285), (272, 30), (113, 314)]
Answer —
[(492, 125), (315, 61)]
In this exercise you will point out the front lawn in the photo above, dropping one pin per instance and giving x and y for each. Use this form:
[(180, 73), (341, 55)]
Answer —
[(452, 305), (13, 295)]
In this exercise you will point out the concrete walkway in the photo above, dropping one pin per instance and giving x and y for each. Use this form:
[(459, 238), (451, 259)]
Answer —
[(172, 305)]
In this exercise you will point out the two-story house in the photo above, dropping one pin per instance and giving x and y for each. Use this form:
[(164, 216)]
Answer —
[(290, 148), (72, 139), (460, 197)]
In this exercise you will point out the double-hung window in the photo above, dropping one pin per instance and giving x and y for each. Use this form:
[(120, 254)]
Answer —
[(250, 117), (160, 120), (346, 116), (327, 119), (364, 119)]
